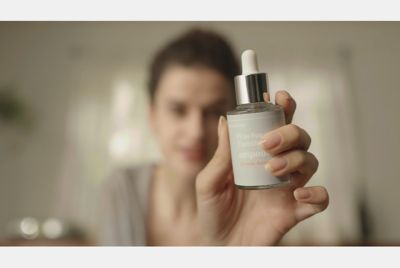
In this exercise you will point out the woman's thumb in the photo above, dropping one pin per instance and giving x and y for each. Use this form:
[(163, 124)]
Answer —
[(214, 176)]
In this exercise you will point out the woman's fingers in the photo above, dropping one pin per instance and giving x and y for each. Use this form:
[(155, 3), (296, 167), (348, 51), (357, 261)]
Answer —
[(266, 96), (285, 138), (214, 176), (283, 99), (310, 201), (296, 161)]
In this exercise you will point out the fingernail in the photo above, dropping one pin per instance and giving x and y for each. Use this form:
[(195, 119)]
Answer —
[(275, 164), (301, 194), (271, 141)]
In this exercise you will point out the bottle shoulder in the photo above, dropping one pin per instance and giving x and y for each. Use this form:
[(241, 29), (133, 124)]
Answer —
[(256, 107)]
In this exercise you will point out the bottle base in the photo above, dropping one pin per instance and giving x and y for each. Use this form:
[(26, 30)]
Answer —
[(263, 187)]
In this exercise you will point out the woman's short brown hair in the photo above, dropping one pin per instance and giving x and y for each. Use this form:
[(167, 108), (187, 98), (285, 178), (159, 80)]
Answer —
[(195, 47)]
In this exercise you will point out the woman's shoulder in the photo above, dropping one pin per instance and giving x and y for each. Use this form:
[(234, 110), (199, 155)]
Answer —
[(123, 205), (126, 177)]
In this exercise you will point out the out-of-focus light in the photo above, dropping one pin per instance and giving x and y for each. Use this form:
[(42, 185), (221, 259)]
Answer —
[(29, 228), (120, 144), (52, 228)]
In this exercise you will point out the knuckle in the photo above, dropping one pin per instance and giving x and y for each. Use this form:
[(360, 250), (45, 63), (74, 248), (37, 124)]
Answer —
[(311, 161), (302, 157), (325, 192), (299, 137), (314, 160), (327, 197), (294, 103), (295, 132), (323, 197), (307, 139)]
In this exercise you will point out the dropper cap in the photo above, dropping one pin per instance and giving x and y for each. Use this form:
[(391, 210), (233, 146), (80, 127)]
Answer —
[(251, 84)]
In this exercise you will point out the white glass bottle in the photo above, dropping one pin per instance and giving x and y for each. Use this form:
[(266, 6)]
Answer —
[(248, 123)]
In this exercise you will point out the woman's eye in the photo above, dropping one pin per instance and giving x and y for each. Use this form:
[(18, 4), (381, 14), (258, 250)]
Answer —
[(178, 110)]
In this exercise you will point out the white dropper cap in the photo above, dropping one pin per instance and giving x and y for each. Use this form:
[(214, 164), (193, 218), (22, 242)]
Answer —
[(249, 62), (251, 84)]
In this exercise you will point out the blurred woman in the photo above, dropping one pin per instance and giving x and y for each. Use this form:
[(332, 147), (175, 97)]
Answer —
[(189, 198)]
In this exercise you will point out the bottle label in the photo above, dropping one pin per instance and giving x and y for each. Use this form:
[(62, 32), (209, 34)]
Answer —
[(248, 157)]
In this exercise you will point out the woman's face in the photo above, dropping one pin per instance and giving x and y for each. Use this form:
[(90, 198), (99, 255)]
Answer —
[(185, 113)]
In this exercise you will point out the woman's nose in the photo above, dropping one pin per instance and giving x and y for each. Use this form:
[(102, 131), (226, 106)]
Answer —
[(195, 126)]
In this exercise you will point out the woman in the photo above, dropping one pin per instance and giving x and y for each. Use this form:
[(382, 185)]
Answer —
[(189, 198)]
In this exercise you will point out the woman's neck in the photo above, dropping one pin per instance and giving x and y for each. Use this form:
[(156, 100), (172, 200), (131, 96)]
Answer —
[(177, 191), (172, 214)]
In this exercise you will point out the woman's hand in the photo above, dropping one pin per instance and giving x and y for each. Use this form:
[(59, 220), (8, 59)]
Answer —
[(232, 216)]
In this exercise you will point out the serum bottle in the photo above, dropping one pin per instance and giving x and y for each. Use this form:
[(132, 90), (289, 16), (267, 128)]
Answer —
[(248, 123)]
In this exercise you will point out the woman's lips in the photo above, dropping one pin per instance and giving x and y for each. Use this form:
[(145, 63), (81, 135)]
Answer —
[(191, 154)]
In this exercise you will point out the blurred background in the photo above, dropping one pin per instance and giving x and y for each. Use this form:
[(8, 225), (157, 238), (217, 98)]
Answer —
[(73, 106)]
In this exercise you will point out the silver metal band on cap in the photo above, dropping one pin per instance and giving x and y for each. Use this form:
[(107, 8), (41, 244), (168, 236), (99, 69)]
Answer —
[(250, 88)]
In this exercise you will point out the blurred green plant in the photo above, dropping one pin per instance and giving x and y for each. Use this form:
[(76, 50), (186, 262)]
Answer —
[(13, 110)]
